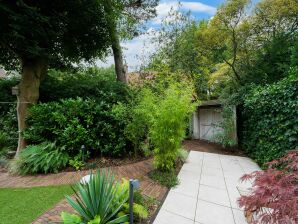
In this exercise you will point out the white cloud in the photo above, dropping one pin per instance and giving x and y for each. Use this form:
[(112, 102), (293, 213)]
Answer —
[(164, 8), (198, 7), (141, 47), (134, 51)]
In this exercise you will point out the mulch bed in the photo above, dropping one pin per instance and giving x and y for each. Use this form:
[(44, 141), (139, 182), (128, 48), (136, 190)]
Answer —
[(105, 162)]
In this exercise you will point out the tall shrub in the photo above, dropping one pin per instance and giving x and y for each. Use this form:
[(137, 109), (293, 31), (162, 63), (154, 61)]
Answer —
[(75, 122), (169, 124), (270, 119), (164, 113)]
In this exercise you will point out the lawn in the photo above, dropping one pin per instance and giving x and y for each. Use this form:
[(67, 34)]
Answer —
[(24, 205)]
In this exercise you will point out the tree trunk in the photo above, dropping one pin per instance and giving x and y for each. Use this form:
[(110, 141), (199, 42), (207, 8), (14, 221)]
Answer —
[(33, 71), (115, 43), (118, 57)]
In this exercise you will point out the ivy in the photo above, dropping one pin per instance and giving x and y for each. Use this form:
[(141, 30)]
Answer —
[(270, 119)]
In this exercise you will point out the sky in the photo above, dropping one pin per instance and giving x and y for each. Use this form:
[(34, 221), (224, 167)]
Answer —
[(141, 47)]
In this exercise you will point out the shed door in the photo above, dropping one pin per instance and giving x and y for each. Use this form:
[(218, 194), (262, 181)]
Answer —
[(209, 121)]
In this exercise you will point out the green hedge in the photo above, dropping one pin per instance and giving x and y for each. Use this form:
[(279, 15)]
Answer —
[(75, 122), (95, 83), (74, 108), (270, 119)]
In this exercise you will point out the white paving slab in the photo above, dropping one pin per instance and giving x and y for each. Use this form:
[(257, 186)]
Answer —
[(180, 204), (185, 175), (187, 188), (165, 217), (214, 195), (209, 213), (208, 191)]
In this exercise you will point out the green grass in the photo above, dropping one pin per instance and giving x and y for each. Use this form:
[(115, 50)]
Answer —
[(24, 205)]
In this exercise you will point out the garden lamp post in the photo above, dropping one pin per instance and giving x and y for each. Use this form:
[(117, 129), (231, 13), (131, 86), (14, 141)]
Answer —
[(83, 153), (133, 184)]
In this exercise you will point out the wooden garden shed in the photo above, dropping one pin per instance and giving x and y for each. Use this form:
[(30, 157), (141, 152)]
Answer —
[(207, 119)]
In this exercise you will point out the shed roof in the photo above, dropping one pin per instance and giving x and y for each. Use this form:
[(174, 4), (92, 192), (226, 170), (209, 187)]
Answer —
[(211, 103)]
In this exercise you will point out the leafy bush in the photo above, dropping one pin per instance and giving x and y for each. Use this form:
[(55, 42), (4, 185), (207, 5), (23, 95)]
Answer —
[(77, 162), (43, 158), (96, 83), (99, 200), (270, 119), (4, 149), (3, 140), (274, 194), (75, 122), (141, 115), (9, 127), (160, 117)]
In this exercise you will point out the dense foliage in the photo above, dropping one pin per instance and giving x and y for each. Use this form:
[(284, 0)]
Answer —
[(78, 109), (52, 33), (9, 128), (274, 194), (270, 119), (72, 123), (235, 54), (162, 113), (171, 117), (96, 83)]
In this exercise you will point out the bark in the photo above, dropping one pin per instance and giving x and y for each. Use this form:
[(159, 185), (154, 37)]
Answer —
[(33, 71), (118, 57), (115, 43)]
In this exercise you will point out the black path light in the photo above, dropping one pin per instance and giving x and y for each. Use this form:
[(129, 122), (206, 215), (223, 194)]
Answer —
[(133, 184), (83, 153)]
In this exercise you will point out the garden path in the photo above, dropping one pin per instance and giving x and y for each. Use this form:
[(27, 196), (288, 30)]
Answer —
[(208, 191), (137, 170)]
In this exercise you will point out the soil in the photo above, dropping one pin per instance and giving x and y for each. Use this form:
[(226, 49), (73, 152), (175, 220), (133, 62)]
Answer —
[(104, 162), (205, 146)]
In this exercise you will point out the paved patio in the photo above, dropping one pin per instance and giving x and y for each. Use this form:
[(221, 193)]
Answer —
[(208, 191)]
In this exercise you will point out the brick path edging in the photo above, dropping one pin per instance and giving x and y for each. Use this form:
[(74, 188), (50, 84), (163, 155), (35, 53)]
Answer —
[(137, 170)]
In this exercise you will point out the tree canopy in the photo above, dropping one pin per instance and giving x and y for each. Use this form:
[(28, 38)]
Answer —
[(59, 31)]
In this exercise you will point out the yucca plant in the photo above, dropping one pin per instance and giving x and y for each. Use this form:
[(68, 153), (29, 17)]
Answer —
[(100, 200)]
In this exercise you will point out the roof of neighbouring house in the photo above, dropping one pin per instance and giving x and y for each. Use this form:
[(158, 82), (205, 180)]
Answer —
[(138, 78)]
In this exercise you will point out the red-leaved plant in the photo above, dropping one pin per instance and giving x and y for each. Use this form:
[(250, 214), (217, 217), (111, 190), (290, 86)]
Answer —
[(274, 194)]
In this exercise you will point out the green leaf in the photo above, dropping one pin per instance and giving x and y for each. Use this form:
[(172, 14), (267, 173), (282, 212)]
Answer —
[(68, 218)]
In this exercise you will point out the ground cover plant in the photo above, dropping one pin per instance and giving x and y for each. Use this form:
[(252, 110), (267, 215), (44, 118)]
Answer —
[(24, 205), (43, 158), (274, 195)]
